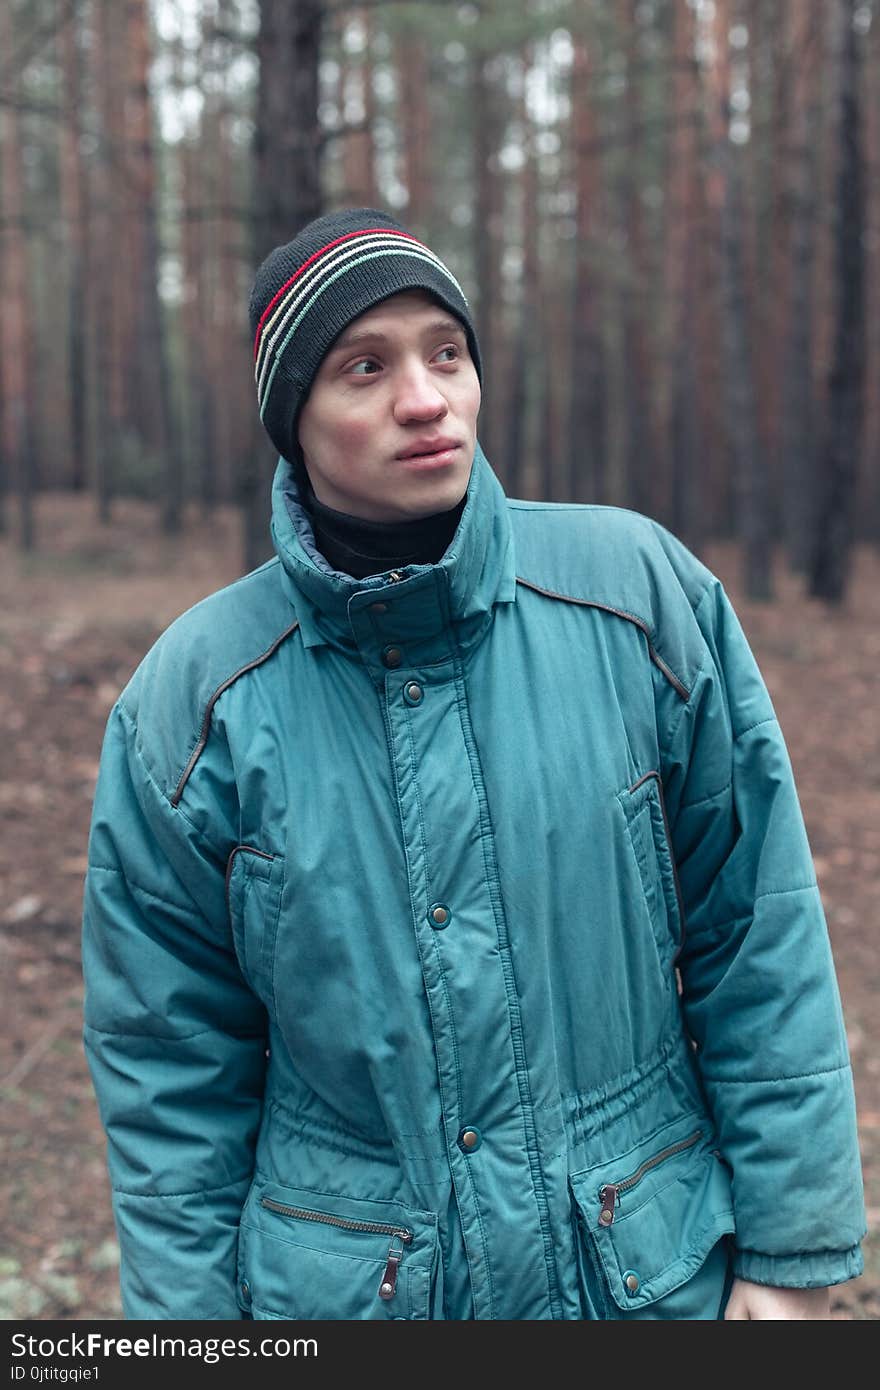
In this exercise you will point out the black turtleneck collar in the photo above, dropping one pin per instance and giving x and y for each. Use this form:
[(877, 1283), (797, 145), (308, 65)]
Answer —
[(359, 547)]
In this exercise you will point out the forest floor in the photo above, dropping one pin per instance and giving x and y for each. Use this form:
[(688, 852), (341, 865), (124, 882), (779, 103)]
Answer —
[(76, 618)]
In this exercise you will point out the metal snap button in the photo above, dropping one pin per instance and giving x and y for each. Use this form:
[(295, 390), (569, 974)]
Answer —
[(412, 693), (470, 1139), (439, 916), (245, 1291), (631, 1282), (392, 656)]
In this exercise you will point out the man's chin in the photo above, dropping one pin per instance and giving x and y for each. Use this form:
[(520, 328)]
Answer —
[(434, 502)]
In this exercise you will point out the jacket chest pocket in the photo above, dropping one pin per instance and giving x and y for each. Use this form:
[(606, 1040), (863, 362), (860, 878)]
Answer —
[(254, 880), (645, 816), (314, 1255), (649, 1223)]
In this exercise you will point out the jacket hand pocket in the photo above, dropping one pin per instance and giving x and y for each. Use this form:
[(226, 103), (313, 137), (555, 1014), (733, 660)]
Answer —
[(648, 1221), (254, 880), (645, 815), (313, 1255)]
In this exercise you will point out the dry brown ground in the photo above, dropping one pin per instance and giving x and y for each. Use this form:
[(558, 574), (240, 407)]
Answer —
[(76, 619)]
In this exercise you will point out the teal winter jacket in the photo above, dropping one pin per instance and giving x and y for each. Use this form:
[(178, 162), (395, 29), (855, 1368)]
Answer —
[(453, 946)]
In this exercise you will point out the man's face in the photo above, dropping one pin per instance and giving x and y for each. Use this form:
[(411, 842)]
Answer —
[(389, 428)]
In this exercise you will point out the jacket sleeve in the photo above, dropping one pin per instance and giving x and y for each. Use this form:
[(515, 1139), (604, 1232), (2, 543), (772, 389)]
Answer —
[(759, 992), (174, 1038)]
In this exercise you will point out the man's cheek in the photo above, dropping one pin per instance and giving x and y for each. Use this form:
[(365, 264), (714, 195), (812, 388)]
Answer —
[(355, 437)]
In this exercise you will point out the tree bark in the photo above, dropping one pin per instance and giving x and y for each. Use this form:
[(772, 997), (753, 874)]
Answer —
[(728, 200), (525, 374), (16, 320), (797, 408), (587, 446), (489, 250), (287, 133), (358, 107), (74, 211), (107, 231), (838, 475), (412, 65), (868, 508), (686, 484), (287, 194), (641, 494), (150, 345)]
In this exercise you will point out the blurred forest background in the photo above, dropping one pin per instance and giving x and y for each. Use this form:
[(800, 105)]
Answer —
[(666, 215), (664, 209)]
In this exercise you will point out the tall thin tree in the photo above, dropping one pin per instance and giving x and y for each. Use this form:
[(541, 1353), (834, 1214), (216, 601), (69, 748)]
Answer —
[(587, 424), (151, 346), (287, 191), (488, 229), (796, 441), (742, 434), (16, 320), (74, 211), (832, 555), (105, 230), (686, 484)]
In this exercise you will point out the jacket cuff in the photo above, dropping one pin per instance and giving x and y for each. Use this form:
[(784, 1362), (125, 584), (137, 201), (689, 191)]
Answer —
[(808, 1271)]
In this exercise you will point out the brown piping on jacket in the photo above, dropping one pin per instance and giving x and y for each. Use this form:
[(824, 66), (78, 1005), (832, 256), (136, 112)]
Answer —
[(209, 708), (657, 659), (242, 849)]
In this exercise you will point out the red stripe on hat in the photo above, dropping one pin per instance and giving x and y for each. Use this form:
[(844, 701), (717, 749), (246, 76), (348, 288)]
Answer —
[(365, 231)]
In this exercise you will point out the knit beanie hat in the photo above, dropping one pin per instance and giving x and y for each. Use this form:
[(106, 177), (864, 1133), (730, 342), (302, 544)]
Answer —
[(308, 291)]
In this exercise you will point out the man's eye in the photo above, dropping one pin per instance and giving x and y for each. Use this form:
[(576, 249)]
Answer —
[(450, 348), (364, 367)]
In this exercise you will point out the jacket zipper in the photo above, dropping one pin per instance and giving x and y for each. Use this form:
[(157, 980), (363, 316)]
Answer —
[(399, 1236), (609, 1193)]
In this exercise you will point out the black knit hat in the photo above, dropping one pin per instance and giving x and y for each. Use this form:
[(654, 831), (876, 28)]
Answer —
[(308, 291)]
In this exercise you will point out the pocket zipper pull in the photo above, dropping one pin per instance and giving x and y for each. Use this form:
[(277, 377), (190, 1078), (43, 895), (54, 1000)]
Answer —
[(388, 1286), (608, 1196)]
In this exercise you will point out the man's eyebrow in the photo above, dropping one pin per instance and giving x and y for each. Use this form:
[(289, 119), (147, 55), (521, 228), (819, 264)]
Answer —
[(356, 336)]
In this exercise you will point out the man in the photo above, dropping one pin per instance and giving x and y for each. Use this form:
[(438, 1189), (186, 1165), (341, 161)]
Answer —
[(452, 942)]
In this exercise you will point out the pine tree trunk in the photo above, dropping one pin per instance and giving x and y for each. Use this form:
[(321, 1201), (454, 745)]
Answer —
[(358, 106), (729, 204), (107, 231), (842, 446), (635, 418), (150, 346), (16, 348), (287, 192), (797, 408), (287, 134), (869, 507), (412, 69), (587, 424), (686, 494), (524, 372), (200, 446), (772, 79), (488, 253), (74, 212)]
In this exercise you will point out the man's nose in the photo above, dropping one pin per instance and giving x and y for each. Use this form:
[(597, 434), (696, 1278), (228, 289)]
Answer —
[(417, 396)]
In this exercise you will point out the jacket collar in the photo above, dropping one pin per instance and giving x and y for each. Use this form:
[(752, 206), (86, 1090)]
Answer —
[(430, 611)]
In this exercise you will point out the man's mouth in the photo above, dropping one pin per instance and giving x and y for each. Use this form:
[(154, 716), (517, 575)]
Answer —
[(437, 449)]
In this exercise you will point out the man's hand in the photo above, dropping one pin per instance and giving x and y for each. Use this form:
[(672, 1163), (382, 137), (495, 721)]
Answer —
[(759, 1301)]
